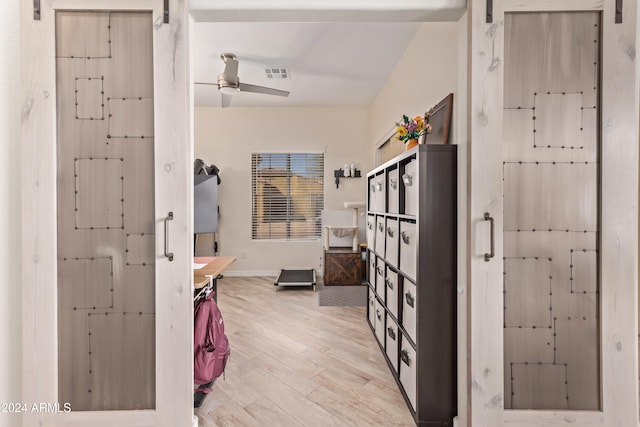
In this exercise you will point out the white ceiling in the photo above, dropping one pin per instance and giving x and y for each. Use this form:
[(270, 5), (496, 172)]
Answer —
[(338, 52), (326, 10), (330, 64)]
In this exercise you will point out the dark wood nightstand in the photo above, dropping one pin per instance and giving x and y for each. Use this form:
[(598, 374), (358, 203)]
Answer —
[(342, 266)]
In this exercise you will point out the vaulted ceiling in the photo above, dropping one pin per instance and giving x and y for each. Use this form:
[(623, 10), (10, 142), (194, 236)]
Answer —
[(328, 64), (336, 52)]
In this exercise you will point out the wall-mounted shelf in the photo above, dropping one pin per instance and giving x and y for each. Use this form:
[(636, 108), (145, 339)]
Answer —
[(339, 173)]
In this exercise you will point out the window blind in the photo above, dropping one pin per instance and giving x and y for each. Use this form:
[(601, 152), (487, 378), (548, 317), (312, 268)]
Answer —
[(287, 191)]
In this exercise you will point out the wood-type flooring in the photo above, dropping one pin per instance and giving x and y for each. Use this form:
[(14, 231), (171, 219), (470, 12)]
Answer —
[(294, 363)]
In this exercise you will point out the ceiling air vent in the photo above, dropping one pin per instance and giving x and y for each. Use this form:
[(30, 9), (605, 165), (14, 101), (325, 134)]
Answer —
[(277, 73)]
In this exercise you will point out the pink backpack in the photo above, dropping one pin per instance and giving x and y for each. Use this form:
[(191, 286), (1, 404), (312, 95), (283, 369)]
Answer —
[(210, 344)]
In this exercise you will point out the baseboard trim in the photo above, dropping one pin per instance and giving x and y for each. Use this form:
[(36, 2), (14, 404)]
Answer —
[(248, 273)]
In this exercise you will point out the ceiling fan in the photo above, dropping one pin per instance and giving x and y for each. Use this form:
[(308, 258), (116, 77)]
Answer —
[(229, 83)]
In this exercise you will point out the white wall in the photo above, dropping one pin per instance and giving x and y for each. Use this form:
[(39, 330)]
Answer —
[(227, 137), (426, 73), (10, 182)]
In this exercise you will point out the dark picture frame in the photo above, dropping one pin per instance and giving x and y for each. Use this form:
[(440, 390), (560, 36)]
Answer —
[(439, 117)]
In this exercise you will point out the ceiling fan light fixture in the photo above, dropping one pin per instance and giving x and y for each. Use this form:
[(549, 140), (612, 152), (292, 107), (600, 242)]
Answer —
[(227, 87), (228, 90)]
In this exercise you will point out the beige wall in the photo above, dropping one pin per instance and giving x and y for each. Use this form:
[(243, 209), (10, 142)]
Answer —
[(227, 137), (10, 244), (426, 73)]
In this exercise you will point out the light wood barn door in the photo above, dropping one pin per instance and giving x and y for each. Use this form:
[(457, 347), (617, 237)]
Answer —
[(554, 165), (107, 184)]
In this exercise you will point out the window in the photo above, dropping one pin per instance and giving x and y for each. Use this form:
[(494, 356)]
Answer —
[(287, 191)]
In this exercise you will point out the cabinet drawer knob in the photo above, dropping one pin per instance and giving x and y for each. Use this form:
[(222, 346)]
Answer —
[(407, 179), (392, 333), (379, 186), (379, 270), (410, 299), (390, 231), (380, 226), (389, 283), (405, 237), (369, 226), (393, 183), (378, 315), (404, 356)]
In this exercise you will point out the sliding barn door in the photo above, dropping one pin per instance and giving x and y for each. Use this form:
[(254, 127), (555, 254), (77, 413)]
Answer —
[(105, 210), (108, 294), (554, 198), (550, 178)]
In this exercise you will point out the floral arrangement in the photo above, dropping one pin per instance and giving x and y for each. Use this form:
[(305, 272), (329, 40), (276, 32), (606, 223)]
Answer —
[(414, 128)]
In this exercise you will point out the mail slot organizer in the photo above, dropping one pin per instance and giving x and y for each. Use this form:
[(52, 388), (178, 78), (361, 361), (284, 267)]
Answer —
[(411, 231)]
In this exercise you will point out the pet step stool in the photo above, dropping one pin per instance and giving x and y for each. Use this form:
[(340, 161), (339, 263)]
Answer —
[(296, 278)]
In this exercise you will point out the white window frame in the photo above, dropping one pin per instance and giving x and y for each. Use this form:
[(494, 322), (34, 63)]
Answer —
[(253, 202)]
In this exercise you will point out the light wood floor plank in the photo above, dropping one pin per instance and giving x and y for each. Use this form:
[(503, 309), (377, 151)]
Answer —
[(386, 390), (238, 363), (347, 411), (237, 390), (360, 398), (270, 414), (373, 364), (294, 363), (245, 345), (303, 366), (299, 383), (329, 362), (229, 415), (305, 411)]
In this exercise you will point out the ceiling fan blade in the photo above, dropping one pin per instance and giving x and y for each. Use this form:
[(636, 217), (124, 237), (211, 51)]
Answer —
[(225, 100), (246, 87), (204, 83), (230, 69)]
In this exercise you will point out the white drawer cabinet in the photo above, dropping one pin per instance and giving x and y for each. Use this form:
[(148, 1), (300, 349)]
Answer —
[(381, 191), (408, 254), (372, 307), (377, 192), (391, 242), (380, 235), (391, 343), (371, 274), (391, 300), (371, 200), (412, 276), (409, 309), (410, 183), (393, 192), (408, 363), (380, 285), (379, 322), (371, 231)]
